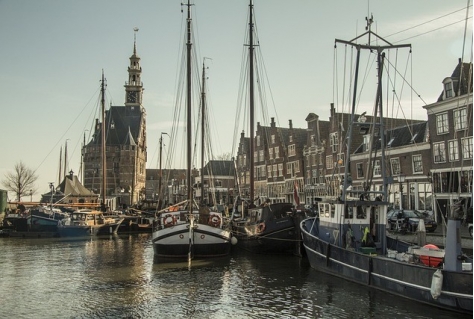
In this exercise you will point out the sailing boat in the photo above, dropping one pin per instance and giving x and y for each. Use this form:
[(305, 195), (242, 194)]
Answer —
[(271, 228), (181, 231), (88, 222), (329, 239)]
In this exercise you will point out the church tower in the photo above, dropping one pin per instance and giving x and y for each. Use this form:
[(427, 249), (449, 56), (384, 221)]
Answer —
[(134, 86), (126, 145)]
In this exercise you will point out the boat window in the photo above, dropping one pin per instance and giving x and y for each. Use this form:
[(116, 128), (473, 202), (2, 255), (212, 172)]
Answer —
[(361, 214), (349, 212)]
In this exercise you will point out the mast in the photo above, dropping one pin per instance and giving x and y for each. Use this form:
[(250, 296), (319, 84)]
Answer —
[(60, 164), (203, 121), (252, 101), (104, 168), (380, 58), (188, 108)]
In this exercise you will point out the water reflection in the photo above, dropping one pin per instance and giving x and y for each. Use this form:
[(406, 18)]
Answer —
[(115, 277)]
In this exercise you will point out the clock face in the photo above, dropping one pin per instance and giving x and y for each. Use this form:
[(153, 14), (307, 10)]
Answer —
[(132, 97)]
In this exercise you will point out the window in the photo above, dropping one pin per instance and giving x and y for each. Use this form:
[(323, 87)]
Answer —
[(448, 89), (289, 171), (453, 150), (377, 169), (329, 162), (258, 140), (439, 152), (273, 138), (366, 142), (277, 152), (442, 123), (395, 166), (297, 167), (270, 153), (291, 150), (280, 169), (360, 170), (460, 119), (417, 164), (333, 142), (269, 171), (261, 156), (466, 147)]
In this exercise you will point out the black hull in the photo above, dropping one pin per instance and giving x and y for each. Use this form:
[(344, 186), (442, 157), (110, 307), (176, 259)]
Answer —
[(396, 277), (276, 241), (209, 243)]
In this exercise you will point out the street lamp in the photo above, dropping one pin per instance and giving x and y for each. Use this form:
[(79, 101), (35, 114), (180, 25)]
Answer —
[(401, 180)]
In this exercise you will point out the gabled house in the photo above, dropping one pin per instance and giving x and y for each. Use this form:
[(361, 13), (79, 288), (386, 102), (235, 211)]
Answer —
[(450, 125)]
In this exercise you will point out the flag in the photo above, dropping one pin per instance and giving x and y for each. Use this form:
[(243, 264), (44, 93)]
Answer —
[(295, 193)]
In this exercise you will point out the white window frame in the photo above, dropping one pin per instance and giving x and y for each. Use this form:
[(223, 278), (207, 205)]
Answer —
[(460, 119), (377, 168), (277, 152), (453, 150), (439, 152), (417, 164), (329, 162), (395, 166), (360, 169), (442, 126), (466, 143), (334, 142), (292, 150), (280, 169)]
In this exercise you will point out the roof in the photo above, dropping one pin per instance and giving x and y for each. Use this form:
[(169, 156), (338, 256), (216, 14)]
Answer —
[(123, 126), (219, 168), (465, 80)]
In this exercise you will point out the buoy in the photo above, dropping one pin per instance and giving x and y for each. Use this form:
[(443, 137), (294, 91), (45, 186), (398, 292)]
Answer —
[(233, 241), (429, 259), (436, 284)]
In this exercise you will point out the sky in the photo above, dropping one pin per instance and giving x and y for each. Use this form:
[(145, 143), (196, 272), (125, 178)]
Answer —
[(53, 54)]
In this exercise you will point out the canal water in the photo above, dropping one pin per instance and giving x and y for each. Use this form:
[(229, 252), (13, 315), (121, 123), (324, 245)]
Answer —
[(116, 277)]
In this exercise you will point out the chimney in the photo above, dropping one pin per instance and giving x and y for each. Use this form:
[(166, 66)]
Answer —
[(291, 124), (273, 122)]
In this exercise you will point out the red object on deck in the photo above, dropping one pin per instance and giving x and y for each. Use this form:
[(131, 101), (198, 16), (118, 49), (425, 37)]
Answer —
[(431, 260)]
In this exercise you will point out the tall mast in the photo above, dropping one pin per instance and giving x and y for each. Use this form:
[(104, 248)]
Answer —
[(252, 111), (203, 122), (104, 168), (188, 107), (380, 57)]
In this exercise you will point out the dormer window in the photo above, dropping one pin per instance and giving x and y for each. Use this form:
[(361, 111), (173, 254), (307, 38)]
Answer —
[(448, 88)]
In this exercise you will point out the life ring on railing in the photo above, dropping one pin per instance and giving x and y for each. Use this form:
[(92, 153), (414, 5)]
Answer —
[(214, 220), (169, 220), (260, 227)]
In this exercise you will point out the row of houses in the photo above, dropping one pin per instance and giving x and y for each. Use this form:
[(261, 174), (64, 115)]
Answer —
[(429, 163)]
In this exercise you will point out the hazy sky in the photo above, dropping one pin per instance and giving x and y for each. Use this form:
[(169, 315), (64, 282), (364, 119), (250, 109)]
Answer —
[(53, 53)]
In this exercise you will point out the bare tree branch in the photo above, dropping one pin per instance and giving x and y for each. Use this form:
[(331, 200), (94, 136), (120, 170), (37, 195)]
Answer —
[(20, 181)]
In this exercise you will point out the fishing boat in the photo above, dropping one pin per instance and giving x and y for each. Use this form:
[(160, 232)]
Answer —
[(185, 231), (271, 228), (348, 238), (87, 222)]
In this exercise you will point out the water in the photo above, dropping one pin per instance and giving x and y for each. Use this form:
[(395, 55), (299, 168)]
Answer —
[(115, 277)]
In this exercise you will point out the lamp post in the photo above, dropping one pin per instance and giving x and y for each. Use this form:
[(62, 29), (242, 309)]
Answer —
[(401, 180)]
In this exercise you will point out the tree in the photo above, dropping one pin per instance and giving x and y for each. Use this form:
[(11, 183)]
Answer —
[(20, 181)]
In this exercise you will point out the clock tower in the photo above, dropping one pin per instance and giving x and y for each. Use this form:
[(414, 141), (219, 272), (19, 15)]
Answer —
[(134, 86)]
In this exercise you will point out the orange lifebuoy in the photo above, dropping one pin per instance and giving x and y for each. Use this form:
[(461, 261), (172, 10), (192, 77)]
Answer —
[(214, 220), (260, 227), (169, 220)]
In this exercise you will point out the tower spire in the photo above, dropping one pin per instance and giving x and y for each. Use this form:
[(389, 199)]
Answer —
[(135, 41)]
